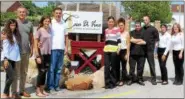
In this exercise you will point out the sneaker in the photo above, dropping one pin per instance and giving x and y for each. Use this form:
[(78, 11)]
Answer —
[(50, 91), (57, 89)]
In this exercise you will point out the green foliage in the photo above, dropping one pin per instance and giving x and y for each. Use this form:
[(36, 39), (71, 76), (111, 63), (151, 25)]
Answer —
[(34, 12), (159, 10), (6, 16)]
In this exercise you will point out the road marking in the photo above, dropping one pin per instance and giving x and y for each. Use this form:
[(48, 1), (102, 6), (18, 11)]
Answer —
[(120, 94)]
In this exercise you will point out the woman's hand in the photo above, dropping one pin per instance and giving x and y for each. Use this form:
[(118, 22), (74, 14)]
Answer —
[(38, 59), (3, 36), (180, 55), (163, 57), (6, 63)]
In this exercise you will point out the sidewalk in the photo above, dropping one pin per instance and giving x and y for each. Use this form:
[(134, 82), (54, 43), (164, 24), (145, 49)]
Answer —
[(133, 91)]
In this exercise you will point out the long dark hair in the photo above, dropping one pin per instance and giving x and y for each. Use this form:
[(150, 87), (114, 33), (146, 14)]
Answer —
[(41, 23), (121, 20), (7, 30)]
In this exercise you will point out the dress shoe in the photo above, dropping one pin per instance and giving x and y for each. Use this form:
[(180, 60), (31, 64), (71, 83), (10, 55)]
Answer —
[(129, 82), (175, 82), (141, 83), (179, 83), (25, 94), (16, 96), (154, 82)]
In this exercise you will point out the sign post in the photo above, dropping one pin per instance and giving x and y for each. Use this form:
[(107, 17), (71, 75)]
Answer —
[(81, 23)]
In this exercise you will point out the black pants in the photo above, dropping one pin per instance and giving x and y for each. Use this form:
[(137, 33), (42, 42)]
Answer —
[(140, 60), (150, 59), (10, 70), (124, 76), (110, 59), (42, 69), (162, 64), (179, 70)]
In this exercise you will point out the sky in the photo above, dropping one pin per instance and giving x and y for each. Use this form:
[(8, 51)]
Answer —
[(42, 4)]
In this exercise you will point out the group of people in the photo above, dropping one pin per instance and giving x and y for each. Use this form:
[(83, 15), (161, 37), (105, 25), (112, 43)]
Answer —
[(49, 47), (135, 47)]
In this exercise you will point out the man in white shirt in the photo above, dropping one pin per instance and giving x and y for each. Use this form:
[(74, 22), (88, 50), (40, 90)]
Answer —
[(59, 48)]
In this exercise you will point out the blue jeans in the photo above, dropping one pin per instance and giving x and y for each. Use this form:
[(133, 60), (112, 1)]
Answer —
[(54, 73)]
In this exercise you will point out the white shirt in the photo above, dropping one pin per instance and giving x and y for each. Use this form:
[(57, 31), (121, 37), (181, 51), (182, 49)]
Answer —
[(177, 42), (58, 32), (10, 51), (124, 40), (164, 40)]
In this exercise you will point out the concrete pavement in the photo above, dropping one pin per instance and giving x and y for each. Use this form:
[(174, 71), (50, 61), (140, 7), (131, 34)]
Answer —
[(133, 91)]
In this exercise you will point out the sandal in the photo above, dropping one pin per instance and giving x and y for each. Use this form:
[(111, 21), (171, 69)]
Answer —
[(4, 96), (45, 93), (40, 95)]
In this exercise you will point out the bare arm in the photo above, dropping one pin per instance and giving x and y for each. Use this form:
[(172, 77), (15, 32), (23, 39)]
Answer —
[(142, 42), (36, 47), (133, 40), (66, 43), (31, 39), (128, 44)]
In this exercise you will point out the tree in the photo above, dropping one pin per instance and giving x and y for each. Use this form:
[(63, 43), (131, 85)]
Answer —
[(47, 10), (159, 10), (32, 8), (5, 16)]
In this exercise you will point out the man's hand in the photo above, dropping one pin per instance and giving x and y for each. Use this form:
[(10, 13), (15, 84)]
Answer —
[(141, 42), (6, 63), (126, 57), (118, 51), (163, 57)]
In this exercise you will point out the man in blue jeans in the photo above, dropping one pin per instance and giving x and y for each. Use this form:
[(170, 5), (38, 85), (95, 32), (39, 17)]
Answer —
[(59, 48)]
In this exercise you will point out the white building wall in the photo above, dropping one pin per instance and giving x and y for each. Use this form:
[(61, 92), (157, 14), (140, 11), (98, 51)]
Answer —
[(179, 18)]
